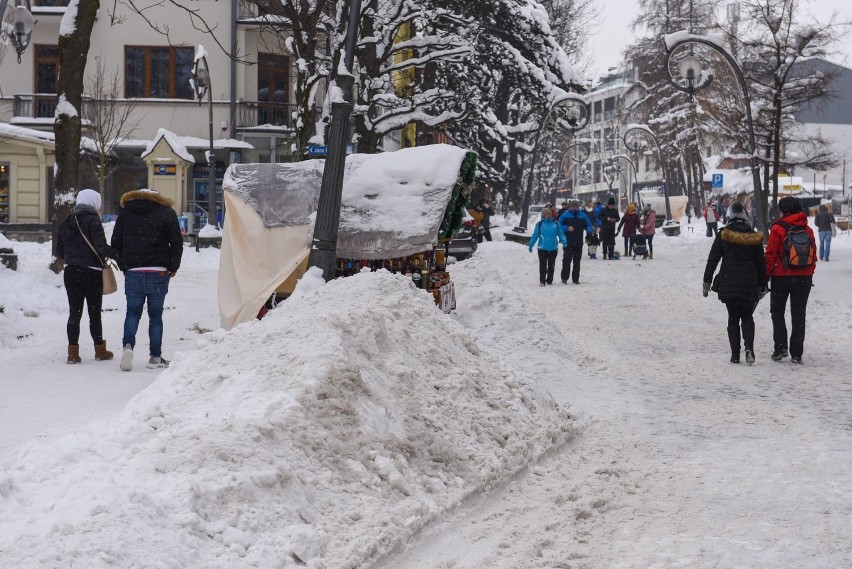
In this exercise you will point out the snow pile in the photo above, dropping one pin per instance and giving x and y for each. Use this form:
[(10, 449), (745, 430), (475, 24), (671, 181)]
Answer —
[(323, 436)]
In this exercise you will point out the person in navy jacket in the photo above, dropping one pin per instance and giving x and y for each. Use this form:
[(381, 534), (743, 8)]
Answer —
[(573, 223), (547, 234)]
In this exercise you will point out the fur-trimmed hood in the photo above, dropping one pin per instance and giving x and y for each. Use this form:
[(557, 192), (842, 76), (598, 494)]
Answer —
[(148, 195), (739, 236)]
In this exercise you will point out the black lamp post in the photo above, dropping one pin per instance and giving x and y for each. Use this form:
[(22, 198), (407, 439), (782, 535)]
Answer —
[(324, 246), (636, 139), (579, 152), (201, 84), (635, 173), (573, 114), (690, 70), (22, 24)]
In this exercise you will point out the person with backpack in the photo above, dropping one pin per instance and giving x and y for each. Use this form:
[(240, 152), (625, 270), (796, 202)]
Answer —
[(741, 281), (790, 263), (547, 234)]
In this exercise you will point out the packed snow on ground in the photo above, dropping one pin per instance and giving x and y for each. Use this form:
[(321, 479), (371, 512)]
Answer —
[(357, 426)]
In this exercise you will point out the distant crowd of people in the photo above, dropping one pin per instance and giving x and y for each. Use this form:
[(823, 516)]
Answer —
[(600, 225)]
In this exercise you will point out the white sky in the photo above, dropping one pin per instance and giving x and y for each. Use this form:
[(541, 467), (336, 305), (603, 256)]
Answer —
[(613, 33)]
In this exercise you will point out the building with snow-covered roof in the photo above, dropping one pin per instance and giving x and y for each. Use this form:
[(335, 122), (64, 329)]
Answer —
[(252, 104)]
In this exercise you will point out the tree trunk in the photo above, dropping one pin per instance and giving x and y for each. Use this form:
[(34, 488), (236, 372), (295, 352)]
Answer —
[(73, 53)]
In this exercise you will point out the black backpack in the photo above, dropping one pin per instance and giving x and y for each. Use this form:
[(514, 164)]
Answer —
[(799, 249)]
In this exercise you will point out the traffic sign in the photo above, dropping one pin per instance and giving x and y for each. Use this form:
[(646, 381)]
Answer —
[(718, 181)]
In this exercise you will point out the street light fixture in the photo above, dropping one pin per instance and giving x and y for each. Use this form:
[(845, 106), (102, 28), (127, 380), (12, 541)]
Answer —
[(635, 174), (22, 24), (201, 84), (636, 138), (579, 153), (571, 112), (690, 69)]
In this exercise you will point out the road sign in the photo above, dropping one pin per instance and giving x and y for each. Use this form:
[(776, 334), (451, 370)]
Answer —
[(317, 150), (718, 181)]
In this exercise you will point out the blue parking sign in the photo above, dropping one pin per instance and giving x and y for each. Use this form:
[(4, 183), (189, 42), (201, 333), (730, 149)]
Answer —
[(718, 181)]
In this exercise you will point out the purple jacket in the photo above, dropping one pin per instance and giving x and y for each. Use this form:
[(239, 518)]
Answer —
[(631, 224)]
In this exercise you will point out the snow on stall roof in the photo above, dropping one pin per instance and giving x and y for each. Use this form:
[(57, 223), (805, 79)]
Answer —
[(174, 141), (30, 134), (391, 202), (285, 439)]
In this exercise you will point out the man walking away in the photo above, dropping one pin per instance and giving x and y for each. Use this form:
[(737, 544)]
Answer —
[(147, 236), (573, 223), (609, 218), (711, 218)]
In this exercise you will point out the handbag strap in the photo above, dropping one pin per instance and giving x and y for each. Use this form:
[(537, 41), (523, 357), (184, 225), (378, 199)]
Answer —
[(89, 243)]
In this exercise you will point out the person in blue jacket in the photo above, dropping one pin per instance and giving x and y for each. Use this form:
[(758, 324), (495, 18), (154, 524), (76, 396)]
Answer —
[(596, 214), (548, 234), (573, 222)]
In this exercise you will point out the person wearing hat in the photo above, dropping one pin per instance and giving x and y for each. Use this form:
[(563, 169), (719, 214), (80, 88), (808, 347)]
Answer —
[(573, 223), (609, 218), (83, 271), (741, 281), (789, 280), (631, 224), (547, 235)]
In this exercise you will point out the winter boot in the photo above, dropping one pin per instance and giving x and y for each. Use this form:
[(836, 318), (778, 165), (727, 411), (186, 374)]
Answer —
[(73, 354), (651, 256), (749, 356), (779, 354), (734, 341), (126, 358), (101, 353)]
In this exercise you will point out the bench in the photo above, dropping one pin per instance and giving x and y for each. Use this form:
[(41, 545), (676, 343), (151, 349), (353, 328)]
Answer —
[(199, 242), (8, 258)]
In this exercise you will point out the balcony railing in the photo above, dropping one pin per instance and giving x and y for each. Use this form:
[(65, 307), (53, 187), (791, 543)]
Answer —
[(251, 114), (43, 106)]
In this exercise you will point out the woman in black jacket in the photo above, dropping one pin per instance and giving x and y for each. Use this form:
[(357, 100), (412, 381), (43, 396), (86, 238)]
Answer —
[(82, 275), (741, 281)]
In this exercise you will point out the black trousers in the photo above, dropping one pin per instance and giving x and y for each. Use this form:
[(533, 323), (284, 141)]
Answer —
[(797, 289), (740, 314), (571, 255), (608, 246), (83, 284), (486, 232), (546, 266)]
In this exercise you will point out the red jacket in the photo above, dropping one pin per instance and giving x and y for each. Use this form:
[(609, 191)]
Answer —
[(774, 266)]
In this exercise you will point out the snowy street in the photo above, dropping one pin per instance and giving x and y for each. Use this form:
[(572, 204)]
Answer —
[(683, 459)]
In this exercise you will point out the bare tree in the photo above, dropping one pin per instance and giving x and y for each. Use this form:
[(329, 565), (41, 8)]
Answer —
[(79, 19), (111, 120)]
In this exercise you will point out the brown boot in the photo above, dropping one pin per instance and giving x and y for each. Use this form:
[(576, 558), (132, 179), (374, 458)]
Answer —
[(73, 354), (101, 353)]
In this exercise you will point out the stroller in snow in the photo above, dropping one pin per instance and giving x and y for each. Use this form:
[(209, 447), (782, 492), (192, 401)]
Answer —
[(592, 243), (640, 246)]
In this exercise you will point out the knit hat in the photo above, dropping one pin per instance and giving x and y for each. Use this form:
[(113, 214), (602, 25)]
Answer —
[(90, 198), (631, 208), (738, 211), (575, 203), (611, 201), (789, 205)]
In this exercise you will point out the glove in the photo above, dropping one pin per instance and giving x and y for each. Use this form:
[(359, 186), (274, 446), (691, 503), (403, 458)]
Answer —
[(762, 292), (705, 289), (530, 249)]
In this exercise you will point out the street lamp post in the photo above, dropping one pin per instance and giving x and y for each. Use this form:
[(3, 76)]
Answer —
[(201, 84), (636, 138), (579, 152), (635, 174), (22, 24), (690, 69), (574, 113), (324, 246)]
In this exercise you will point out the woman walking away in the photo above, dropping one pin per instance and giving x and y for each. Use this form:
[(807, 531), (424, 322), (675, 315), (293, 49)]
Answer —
[(649, 227), (790, 263), (823, 220), (548, 234), (632, 225), (741, 281), (82, 276)]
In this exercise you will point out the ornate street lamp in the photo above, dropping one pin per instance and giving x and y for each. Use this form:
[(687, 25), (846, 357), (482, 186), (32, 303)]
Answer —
[(636, 139), (579, 153), (22, 24), (694, 78), (635, 174), (569, 111), (201, 84)]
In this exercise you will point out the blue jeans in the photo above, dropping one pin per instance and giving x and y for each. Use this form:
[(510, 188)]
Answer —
[(139, 286), (824, 245)]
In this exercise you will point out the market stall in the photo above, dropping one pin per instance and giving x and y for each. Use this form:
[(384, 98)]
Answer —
[(398, 210)]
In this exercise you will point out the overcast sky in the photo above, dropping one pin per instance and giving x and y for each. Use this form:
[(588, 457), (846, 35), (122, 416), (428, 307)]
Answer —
[(613, 33)]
